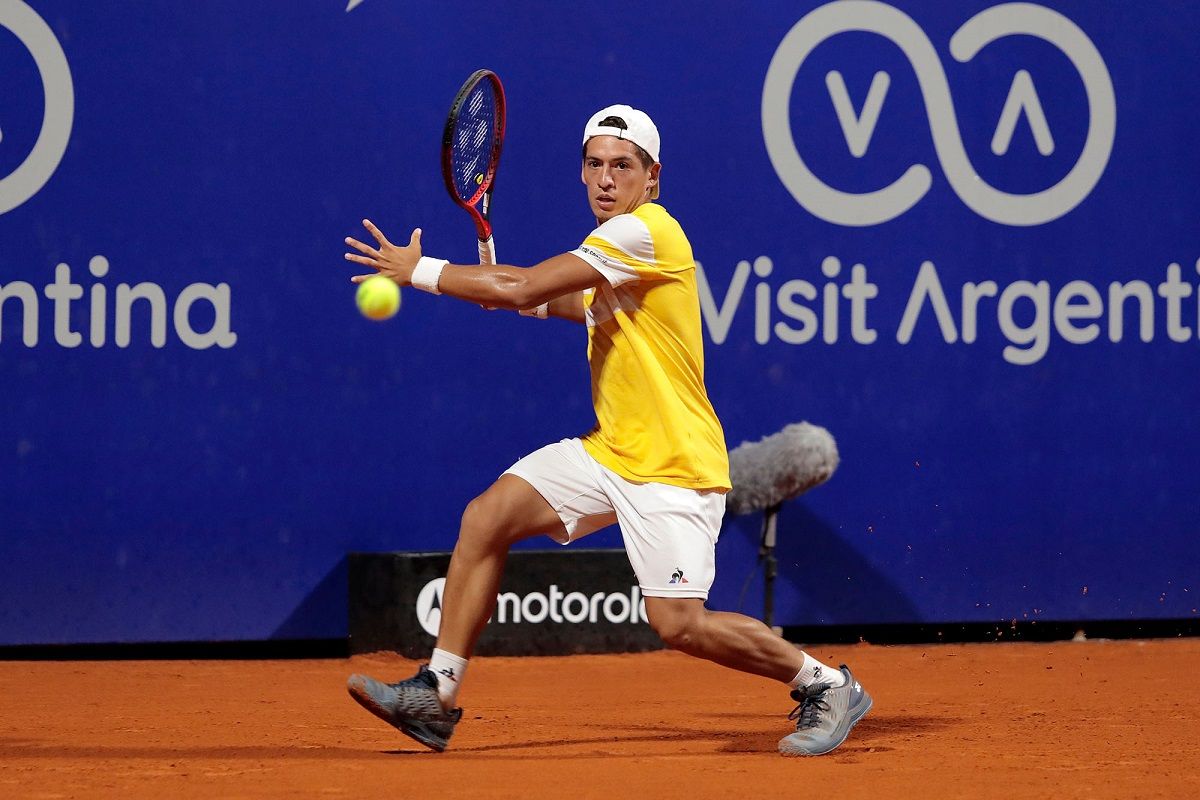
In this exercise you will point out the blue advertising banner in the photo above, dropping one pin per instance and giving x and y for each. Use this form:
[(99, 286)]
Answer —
[(959, 234)]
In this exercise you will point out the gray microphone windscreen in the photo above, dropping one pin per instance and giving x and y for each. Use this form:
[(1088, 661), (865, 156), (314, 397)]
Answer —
[(779, 467)]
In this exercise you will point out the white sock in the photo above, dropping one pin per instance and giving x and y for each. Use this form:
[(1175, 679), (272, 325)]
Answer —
[(814, 671), (450, 670)]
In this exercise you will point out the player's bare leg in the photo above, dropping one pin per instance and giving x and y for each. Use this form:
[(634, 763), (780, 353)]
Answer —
[(831, 701), (510, 510), (423, 706), (731, 640)]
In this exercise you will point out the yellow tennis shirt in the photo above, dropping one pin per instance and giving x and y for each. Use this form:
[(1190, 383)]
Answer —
[(655, 423)]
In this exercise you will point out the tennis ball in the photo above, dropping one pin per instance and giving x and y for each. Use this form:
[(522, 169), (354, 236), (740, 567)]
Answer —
[(378, 298)]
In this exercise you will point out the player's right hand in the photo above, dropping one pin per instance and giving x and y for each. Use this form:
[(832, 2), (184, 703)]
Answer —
[(393, 261)]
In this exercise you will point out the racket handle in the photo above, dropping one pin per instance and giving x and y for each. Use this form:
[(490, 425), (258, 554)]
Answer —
[(487, 251), (487, 255)]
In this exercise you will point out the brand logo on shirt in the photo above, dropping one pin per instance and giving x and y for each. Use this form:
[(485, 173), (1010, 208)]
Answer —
[(594, 253), (677, 576)]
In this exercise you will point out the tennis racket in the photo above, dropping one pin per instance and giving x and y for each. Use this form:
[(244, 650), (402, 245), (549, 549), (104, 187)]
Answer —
[(471, 147)]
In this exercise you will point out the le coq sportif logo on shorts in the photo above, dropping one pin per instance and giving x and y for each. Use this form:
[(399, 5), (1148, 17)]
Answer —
[(59, 108), (889, 202)]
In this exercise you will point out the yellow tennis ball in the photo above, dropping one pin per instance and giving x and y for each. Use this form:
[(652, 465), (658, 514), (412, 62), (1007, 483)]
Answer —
[(378, 298)]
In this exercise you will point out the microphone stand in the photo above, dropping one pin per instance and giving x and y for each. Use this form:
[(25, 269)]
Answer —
[(766, 554)]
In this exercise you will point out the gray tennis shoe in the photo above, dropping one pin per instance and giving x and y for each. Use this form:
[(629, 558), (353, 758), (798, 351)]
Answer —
[(825, 716), (411, 705)]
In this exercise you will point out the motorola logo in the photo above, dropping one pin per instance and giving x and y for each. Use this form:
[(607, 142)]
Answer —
[(59, 108), (429, 606), (553, 605), (888, 202)]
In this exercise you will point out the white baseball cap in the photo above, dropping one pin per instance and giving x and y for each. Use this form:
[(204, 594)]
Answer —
[(636, 126)]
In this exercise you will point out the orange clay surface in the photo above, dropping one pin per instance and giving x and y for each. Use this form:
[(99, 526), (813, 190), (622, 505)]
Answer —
[(1063, 720)]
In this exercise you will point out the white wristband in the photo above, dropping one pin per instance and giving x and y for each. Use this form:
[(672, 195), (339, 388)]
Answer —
[(427, 273), (541, 312)]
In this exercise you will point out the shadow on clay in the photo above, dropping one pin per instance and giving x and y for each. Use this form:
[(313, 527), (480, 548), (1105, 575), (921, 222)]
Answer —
[(868, 737)]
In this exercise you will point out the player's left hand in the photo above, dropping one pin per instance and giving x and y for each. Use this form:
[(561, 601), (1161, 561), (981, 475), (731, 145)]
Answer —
[(393, 261)]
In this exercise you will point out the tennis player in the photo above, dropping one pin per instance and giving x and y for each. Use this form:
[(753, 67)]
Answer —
[(655, 463)]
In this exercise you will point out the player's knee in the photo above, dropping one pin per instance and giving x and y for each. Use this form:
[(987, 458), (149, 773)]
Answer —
[(482, 523), (492, 520), (678, 631)]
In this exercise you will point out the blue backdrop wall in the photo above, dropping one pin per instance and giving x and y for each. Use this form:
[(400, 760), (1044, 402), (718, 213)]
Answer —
[(961, 235)]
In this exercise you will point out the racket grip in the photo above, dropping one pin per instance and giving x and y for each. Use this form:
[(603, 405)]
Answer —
[(487, 255), (487, 251)]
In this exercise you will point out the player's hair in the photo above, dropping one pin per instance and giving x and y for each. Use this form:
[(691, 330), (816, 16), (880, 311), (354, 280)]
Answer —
[(617, 122)]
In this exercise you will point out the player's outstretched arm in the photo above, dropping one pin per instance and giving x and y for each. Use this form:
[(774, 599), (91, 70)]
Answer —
[(500, 285), (512, 287)]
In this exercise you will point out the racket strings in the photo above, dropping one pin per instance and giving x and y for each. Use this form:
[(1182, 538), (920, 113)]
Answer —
[(482, 131), (474, 132)]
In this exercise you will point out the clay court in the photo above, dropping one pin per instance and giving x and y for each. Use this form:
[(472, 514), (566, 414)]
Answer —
[(1071, 719)]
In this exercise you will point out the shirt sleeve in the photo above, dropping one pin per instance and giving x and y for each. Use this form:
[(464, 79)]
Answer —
[(621, 250)]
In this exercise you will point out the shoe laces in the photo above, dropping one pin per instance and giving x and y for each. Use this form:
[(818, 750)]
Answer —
[(426, 676), (812, 704)]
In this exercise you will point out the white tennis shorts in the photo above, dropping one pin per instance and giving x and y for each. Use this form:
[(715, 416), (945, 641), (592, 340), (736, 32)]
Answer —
[(670, 532)]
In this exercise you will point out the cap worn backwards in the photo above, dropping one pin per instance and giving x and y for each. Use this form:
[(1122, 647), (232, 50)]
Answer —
[(628, 123)]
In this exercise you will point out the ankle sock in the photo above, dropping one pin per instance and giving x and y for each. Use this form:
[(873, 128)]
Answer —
[(450, 670), (813, 671)]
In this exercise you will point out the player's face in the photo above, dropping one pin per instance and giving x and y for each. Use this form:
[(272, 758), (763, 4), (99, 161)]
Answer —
[(616, 181)]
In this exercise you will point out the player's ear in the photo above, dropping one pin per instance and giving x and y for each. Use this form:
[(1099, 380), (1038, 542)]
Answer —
[(652, 181)]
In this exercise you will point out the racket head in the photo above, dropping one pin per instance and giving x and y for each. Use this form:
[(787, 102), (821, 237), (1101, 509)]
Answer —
[(471, 145)]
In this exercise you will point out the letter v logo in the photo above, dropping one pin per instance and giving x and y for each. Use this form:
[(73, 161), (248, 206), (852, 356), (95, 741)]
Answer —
[(859, 128), (719, 319)]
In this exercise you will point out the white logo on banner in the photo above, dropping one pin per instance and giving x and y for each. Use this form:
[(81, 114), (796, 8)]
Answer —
[(873, 208), (33, 32), (536, 607), (429, 606)]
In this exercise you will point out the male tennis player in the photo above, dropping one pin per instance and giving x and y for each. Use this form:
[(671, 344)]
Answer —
[(655, 463)]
